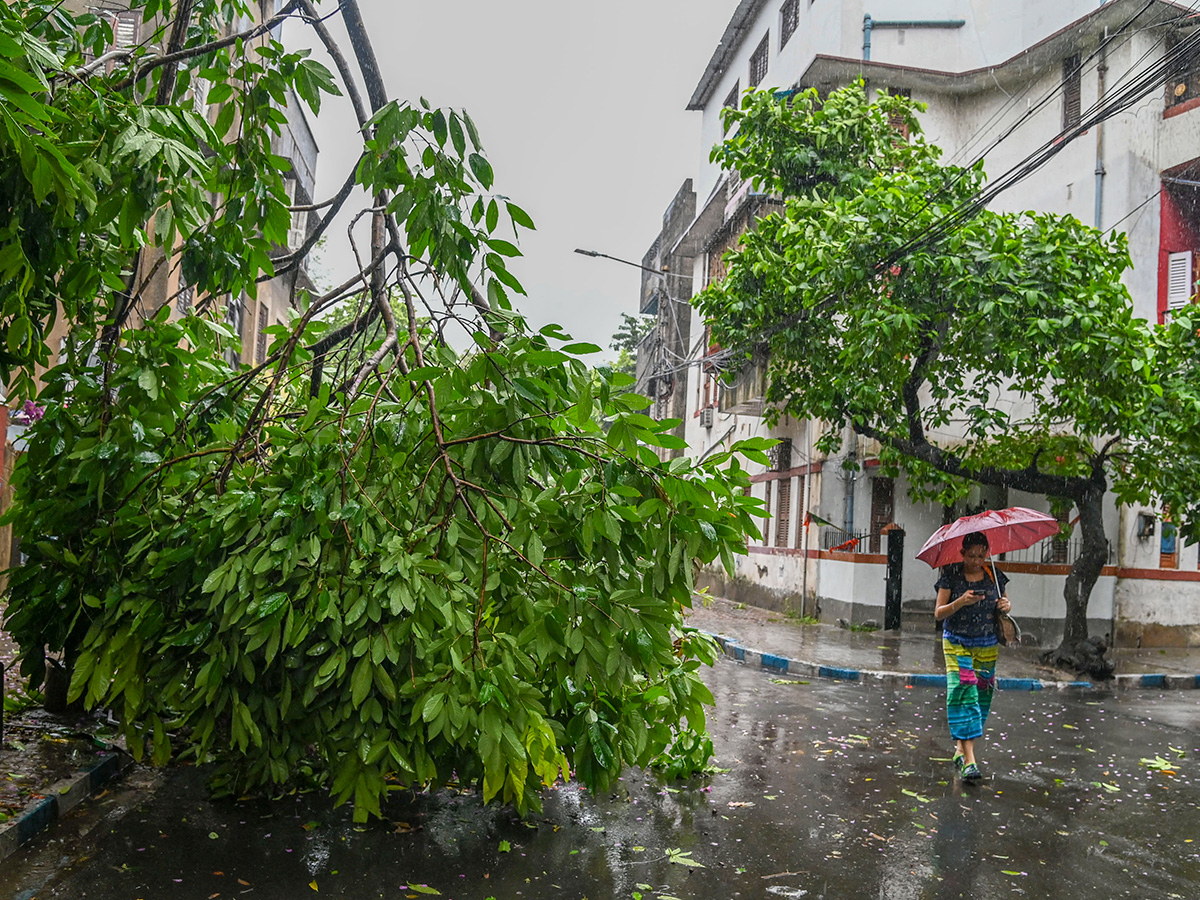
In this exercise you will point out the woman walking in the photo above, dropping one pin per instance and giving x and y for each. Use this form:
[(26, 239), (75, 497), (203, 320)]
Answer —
[(968, 597)]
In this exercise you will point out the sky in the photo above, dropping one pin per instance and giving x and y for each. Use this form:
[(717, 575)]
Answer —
[(580, 108)]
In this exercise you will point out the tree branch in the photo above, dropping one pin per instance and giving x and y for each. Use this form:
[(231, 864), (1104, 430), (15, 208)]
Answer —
[(1027, 479), (191, 52), (166, 84), (292, 260)]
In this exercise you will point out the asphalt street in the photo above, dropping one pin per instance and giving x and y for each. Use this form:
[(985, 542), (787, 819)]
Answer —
[(831, 791)]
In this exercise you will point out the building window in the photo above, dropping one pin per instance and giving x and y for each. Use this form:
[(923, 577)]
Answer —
[(235, 315), (900, 123), (883, 492), (1180, 284), (731, 101), (125, 29), (766, 508), (781, 456), (1178, 238), (298, 227), (1070, 90), (783, 519), (758, 61), (183, 301), (1183, 83), (260, 348), (789, 18), (1168, 558)]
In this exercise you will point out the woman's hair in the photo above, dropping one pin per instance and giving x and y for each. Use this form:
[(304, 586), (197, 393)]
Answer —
[(974, 539)]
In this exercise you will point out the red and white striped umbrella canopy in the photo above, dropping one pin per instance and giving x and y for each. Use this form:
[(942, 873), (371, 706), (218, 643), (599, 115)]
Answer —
[(1014, 528)]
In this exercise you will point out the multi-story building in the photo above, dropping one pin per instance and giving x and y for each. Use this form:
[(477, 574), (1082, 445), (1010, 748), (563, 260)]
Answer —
[(998, 78)]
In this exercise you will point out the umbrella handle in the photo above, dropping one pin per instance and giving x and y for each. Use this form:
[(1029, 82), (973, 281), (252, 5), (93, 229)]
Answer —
[(994, 573)]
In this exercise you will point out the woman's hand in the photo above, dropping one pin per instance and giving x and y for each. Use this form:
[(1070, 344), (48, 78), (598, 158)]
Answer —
[(970, 598), (1003, 605)]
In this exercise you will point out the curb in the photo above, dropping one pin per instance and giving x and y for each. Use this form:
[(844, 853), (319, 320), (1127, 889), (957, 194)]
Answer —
[(732, 649), (60, 799)]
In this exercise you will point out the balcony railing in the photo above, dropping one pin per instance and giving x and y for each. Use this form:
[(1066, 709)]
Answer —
[(1057, 551), (1053, 551), (831, 537)]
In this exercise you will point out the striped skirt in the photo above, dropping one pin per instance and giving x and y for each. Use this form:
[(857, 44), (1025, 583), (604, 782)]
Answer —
[(970, 684)]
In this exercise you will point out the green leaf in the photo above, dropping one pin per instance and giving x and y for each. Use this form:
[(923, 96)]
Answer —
[(360, 681), (19, 332), (519, 216), (481, 169), (456, 136)]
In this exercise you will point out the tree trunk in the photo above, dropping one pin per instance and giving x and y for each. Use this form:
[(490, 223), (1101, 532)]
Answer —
[(1077, 651)]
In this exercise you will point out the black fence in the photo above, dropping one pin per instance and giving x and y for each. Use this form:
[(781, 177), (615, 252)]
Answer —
[(1057, 551), (1053, 550), (831, 536)]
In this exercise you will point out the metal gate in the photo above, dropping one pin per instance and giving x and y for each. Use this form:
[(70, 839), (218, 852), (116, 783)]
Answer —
[(895, 571)]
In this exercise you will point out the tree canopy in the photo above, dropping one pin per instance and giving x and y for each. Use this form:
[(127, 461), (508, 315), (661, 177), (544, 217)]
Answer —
[(625, 341), (1002, 350), (372, 559)]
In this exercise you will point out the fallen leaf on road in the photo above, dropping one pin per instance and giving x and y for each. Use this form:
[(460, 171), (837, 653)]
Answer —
[(682, 858)]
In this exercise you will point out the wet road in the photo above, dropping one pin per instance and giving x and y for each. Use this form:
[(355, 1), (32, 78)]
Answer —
[(832, 791)]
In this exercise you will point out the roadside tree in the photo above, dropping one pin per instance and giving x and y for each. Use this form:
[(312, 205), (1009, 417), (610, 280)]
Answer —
[(874, 314), (373, 560), (625, 341)]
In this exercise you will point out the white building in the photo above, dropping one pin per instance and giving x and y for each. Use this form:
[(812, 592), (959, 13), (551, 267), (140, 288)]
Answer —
[(999, 78)]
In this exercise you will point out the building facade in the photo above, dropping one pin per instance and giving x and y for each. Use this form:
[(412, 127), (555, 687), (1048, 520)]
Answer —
[(998, 79)]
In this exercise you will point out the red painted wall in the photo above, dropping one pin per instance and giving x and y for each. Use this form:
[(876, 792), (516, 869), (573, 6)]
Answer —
[(1179, 230)]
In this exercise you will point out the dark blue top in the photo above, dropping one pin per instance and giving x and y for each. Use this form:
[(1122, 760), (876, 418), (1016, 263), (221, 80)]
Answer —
[(977, 622)]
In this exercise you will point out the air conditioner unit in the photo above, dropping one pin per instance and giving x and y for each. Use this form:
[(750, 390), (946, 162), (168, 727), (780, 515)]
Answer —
[(707, 417)]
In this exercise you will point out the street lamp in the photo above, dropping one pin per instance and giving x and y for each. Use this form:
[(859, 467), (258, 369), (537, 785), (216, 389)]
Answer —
[(663, 272)]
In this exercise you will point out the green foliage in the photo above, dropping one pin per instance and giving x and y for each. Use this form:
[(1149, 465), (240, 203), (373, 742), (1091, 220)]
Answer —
[(379, 561), (324, 597), (86, 164), (1014, 328), (691, 753), (625, 341)]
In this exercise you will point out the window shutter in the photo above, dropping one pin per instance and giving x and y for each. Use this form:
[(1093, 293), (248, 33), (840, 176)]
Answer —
[(125, 29), (1071, 92), (1179, 279), (260, 345), (298, 230), (883, 491), (766, 509), (783, 518)]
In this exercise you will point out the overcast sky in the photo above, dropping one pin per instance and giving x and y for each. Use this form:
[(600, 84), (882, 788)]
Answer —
[(580, 107)]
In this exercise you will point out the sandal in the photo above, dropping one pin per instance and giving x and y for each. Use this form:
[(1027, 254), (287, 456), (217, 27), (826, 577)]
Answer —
[(970, 772)]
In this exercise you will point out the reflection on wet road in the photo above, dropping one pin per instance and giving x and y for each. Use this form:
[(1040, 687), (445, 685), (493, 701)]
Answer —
[(832, 791)]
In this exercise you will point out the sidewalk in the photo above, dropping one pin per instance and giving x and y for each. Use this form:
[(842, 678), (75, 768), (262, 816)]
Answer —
[(914, 658)]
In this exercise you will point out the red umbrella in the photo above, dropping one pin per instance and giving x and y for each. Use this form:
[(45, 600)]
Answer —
[(1014, 528)]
